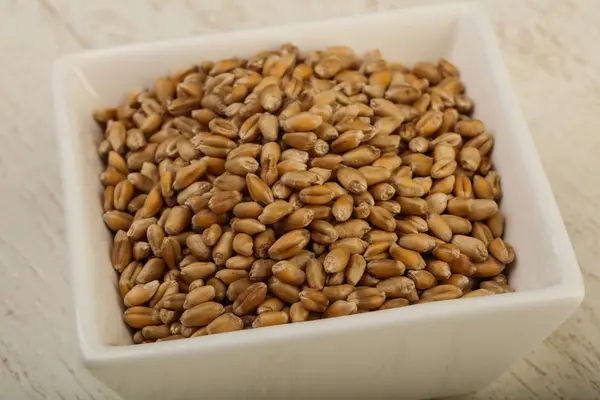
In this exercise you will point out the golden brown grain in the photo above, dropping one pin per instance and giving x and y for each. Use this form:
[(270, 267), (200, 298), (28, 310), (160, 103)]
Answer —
[(298, 186)]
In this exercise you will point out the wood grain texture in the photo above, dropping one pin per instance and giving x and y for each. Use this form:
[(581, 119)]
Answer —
[(549, 48)]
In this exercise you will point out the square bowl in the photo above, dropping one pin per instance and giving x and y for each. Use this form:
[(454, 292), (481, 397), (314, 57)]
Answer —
[(430, 350)]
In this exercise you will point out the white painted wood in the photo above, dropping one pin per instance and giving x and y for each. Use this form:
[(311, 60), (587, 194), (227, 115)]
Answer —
[(549, 48)]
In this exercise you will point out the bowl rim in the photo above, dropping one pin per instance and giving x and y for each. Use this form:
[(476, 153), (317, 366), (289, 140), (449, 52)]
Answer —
[(569, 290)]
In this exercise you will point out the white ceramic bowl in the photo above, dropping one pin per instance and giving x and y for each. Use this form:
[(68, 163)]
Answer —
[(429, 350)]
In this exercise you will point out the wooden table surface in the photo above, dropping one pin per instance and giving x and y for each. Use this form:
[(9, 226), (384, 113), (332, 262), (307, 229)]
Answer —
[(550, 48)]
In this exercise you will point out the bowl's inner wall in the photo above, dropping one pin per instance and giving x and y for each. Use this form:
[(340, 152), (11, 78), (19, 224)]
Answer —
[(104, 78), (526, 229)]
